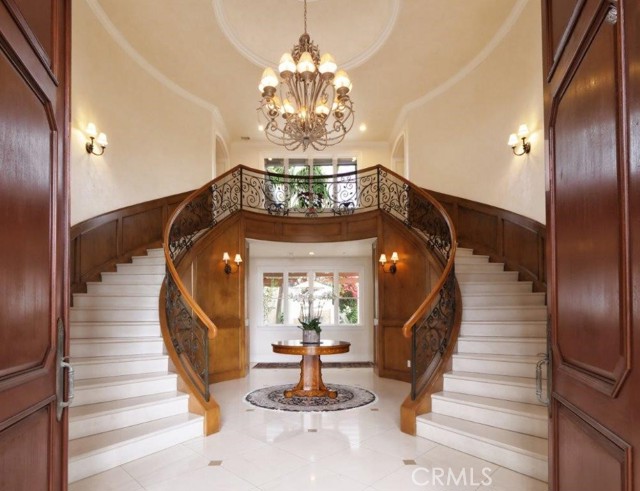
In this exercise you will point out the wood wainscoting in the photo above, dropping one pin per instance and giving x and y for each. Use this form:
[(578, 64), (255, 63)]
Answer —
[(517, 241), (98, 244)]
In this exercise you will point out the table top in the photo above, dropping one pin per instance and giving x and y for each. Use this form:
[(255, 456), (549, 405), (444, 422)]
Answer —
[(297, 347)]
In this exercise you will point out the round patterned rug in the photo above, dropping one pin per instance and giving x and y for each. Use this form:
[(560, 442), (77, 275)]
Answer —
[(349, 397)]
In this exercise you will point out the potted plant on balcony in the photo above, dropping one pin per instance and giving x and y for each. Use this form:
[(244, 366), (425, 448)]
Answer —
[(311, 305)]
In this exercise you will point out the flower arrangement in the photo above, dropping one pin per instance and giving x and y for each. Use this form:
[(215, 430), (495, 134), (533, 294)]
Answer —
[(311, 305)]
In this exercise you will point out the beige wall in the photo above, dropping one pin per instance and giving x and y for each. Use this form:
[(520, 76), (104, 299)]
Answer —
[(252, 154), (159, 143), (457, 142)]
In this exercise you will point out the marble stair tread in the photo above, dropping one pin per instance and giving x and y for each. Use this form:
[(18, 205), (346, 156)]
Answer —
[(500, 405), (95, 444), (464, 251), (471, 259), (504, 339), (503, 328), (531, 446), (91, 383), (477, 287), (493, 379), (132, 278), (121, 290), (496, 357), (159, 251), (99, 360), (77, 413), (142, 339)]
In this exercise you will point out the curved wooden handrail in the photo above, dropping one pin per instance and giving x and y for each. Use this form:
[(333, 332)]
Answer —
[(435, 291)]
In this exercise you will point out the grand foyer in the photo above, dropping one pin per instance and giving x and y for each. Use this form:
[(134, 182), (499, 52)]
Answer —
[(162, 114)]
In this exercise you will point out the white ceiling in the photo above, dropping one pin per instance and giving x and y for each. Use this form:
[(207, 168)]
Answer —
[(397, 51)]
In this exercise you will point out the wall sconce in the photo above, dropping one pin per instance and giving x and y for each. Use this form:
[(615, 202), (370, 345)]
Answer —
[(227, 267), (514, 141), (100, 140), (394, 259)]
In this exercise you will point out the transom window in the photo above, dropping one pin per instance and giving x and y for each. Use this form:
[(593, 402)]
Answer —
[(310, 167), (338, 290)]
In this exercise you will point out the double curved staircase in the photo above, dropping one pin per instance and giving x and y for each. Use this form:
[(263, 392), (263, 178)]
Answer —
[(123, 346)]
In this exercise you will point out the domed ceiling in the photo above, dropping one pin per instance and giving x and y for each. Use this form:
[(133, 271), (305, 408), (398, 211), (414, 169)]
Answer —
[(396, 51)]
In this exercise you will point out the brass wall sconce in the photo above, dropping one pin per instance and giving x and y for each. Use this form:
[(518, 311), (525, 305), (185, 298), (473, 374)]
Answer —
[(228, 268), (95, 140), (394, 259), (520, 140)]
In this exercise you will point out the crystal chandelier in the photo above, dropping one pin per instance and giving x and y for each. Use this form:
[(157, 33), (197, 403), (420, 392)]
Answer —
[(312, 106)]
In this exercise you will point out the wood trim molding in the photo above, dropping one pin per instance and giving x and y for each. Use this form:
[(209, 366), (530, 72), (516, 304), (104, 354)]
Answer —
[(517, 241), (98, 244)]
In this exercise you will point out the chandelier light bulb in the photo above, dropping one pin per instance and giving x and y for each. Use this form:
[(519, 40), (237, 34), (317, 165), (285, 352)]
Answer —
[(269, 79), (305, 63), (287, 65), (342, 81), (323, 110), (327, 64), (288, 107)]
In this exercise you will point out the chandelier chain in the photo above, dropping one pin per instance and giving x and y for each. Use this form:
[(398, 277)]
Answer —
[(305, 16)]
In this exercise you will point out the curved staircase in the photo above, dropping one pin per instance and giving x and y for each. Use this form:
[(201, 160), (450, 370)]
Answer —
[(126, 401), (488, 407)]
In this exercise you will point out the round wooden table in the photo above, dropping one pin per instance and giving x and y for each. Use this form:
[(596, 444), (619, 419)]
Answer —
[(310, 384)]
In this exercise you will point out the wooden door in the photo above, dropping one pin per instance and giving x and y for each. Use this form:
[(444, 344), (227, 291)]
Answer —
[(592, 118), (33, 239)]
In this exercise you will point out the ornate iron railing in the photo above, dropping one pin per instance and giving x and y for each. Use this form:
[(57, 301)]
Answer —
[(247, 189)]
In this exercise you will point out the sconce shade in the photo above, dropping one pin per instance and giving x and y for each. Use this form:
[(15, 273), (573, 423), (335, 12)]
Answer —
[(383, 258), (91, 130), (513, 140), (238, 259), (225, 257), (102, 140), (394, 257), (523, 131)]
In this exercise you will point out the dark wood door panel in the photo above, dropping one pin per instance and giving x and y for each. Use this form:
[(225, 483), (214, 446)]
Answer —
[(589, 218), (25, 301), (37, 20), (18, 444), (600, 450)]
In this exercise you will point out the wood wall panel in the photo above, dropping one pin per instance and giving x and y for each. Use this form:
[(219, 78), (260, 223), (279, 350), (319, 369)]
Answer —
[(18, 445), (141, 229), (590, 286), (399, 295), (37, 20), (99, 243), (506, 237)]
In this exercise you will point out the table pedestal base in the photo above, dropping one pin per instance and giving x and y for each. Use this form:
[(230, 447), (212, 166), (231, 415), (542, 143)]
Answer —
[(310, 384)]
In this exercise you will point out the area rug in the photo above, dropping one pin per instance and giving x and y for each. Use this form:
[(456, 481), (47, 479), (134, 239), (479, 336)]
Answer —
[(349, 397), (347, 364)]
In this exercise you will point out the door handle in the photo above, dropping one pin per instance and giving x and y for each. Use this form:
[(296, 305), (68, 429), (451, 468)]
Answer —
[(62, 365), (544, 361)]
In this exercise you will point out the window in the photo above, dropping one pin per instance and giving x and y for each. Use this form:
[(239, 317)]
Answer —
[(339, 290), (311, 167)]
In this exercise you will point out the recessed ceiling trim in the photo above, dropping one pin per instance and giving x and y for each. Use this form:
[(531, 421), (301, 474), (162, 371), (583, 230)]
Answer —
[(119, 38), (258, 60), (495, 41)]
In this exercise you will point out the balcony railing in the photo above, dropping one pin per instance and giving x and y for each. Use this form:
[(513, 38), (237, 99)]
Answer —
[(314, 197)]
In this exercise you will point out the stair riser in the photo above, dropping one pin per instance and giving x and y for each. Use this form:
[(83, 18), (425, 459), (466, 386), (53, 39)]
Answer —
[(515, 330), (463, 251), (114, 330), (140, 269), (96, 370), (83, 467), (518, 462), (493, 347), (155, 252), (495, 287), (498, 419), (479, 267), (79, 428), (494, 367), (115, 302), (116, 290), (494, 300), (81, 349), (123, 391), (496, 391), (504, 314), (486, 277), (113, 315), (149, 260), (471, 259), (132, 279)]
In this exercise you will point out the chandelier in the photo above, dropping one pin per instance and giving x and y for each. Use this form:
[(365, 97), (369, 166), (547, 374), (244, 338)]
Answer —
[(312, 106)]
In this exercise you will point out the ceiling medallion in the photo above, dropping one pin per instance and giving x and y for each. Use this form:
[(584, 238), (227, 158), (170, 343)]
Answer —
[(313, 108)]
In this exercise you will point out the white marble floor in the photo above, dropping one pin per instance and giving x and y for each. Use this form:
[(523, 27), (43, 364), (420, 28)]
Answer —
[(359, 449)]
